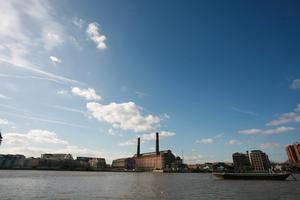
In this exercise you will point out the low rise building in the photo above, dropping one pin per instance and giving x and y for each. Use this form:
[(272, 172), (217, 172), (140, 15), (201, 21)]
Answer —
[(11, 161), (124, 164), (93, 163)]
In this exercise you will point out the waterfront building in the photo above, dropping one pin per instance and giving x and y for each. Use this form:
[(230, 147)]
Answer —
[(31, 163), (259, 161), (57, 156), (158, 160), (124, 163), (241, 162), (11, 161), (293, 153), (94, 163)]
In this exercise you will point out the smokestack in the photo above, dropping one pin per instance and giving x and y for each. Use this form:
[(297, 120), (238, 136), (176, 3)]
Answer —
[(157, 143), (138, 147)]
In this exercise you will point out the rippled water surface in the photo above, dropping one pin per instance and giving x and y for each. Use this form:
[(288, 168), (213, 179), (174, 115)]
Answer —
[(107, 185)]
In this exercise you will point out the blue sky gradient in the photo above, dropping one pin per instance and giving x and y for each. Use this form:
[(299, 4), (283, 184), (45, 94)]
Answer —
[(215, 77)]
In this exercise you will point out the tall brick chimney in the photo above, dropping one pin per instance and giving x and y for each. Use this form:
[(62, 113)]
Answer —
[(157, 143), (138, 153)]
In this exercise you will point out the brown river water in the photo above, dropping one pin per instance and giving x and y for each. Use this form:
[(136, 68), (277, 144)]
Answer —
[(63, 185)]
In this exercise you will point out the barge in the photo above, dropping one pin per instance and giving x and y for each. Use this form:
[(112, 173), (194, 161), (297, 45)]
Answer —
[(252, 176)]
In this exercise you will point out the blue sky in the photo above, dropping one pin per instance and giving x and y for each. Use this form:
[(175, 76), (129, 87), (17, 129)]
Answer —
[(88, 78)]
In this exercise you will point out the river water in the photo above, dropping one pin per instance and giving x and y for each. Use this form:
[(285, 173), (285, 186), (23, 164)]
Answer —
[(63, 185)]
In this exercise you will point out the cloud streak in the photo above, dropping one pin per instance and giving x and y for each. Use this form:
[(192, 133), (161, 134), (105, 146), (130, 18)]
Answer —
[(278, 130)]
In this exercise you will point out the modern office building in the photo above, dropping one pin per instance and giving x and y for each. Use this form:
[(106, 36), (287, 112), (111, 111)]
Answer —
[(256, 161), (241, 162), (259, 161), (293, 152)]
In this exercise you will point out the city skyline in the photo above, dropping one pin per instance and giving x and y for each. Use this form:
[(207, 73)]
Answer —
[(90, 78)]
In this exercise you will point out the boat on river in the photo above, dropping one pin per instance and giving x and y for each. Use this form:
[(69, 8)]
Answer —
[(252, 176)]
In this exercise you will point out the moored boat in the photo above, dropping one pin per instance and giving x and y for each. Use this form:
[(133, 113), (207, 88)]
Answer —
[(252, 176)]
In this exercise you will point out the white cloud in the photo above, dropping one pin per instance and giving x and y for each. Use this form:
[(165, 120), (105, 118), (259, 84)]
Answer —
[(89, 94), (234, 142), (55, 60), (252, 131), (37, 151), (195, 159), (278, 130), (94, 34), (206, 141), (152, 136), (285, 118), (210, 140), (33, 136), (295, 84), (269, 145), (148, 137), (3, 121), (130, 142), (2, 96), (126, 116)]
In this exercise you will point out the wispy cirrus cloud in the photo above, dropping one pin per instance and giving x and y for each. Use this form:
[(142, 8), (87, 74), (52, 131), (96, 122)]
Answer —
[(33, 118), (64, 108), (247, 112), (278, 130), (234, 142), (211, 140), (206, 141), (2, 96), (25, 28), (269, 145), (287, 118)]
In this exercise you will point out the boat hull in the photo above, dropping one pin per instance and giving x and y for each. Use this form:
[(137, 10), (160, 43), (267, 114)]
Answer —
[(252, 176)]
